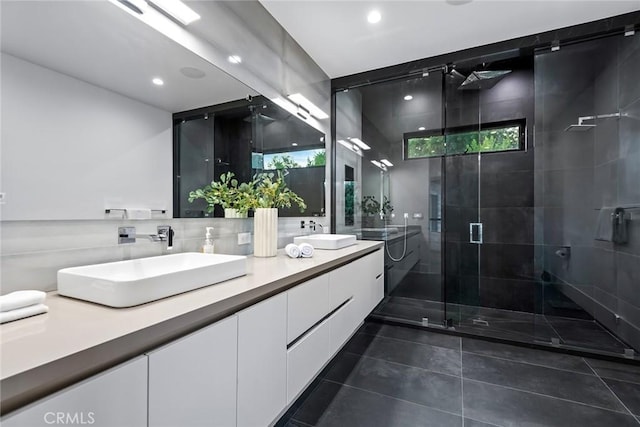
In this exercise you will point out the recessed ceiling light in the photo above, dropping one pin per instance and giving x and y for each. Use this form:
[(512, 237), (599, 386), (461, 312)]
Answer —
[(408, 98), (386, 162), (421, 128), (359, 143), (316, 112), (157, 81), (178, 10), (234, 59), (374, 17), (294, 144)]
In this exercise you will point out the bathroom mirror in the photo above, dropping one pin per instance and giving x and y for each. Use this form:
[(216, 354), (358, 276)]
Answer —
[(88, 93), (246, 137)]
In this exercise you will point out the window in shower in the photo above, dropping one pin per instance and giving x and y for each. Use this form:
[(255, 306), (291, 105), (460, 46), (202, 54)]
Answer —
[(492, 137), (295, 159)]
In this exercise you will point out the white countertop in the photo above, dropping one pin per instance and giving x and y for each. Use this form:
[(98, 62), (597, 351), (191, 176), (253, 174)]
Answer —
[(77, 339)]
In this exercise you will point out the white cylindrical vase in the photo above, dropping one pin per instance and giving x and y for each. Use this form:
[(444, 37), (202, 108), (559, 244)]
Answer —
[(233, 213), (265, 232)]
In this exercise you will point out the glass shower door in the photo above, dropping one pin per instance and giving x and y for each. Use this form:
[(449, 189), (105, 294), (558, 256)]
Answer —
[(463, 228)]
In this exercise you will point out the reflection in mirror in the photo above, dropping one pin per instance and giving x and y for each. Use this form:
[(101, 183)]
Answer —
[(349, 195), (246, 137)]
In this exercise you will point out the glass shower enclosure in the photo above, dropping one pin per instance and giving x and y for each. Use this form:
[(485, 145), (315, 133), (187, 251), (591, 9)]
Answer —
[(492, 182)]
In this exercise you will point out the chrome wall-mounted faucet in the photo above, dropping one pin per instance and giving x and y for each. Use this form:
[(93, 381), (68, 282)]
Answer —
[(129, 235), (313, 225)]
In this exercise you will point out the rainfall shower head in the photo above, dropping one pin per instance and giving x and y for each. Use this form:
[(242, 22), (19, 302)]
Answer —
[(483, 79), (582, 126), (579, 128)]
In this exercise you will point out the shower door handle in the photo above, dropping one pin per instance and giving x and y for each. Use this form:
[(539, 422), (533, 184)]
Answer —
[(475, 232)]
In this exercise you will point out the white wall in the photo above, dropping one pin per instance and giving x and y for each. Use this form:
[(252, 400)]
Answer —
[(71, 149)]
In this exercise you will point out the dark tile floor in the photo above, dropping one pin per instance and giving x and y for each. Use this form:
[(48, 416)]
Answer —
[(398, 376)]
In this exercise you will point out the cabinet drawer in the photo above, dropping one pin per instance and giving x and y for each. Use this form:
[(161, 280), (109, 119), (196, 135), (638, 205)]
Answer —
[(192, 381), (117, 397), (306, 357), (343, 323), (344, 282), (307, 303)]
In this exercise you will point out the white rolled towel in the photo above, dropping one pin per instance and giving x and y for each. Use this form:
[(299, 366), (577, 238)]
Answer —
[(19, 299), (21, 313), (306, 250), (292, 250)]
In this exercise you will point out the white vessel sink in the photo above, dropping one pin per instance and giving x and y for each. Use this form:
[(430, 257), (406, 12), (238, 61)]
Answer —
[(327, 241), (137, 281)]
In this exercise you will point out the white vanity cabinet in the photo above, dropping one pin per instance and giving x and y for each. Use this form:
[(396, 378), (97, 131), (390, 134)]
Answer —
[(192, 381), (262, 361), (116, 397), (243, 370)]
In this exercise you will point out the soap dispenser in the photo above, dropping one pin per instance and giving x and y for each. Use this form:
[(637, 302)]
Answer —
[(208, 241)]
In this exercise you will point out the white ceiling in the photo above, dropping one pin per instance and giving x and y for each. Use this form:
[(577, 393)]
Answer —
[(97, 42), (338, 37)]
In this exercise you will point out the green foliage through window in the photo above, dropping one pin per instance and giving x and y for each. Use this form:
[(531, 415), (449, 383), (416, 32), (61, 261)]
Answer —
[(295, 159), (492, 138)]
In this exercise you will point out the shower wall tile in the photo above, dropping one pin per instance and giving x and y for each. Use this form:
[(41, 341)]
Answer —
[(606, 299), (606, 142), (508, 225), (516, 295), (628, 278), (605, 185), (563, 110), (629, 177), (568, 150), (629, 90), (509, 189), (606, 84), (604, 270), (513, 161), (507, 261), (629, 130), (554, 227)]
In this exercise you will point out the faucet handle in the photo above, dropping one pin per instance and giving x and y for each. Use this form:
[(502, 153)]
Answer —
[(165, 232)]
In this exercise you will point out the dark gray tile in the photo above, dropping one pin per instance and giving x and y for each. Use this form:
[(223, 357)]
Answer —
[(508, 294), (429, 357), (628, 275), (507, 261), (413, 335), (628, 392), (529, 355), (506, 189), (432, 389), (577, 387), (508, 225), (584, 333), (605, 185), (628, 178), (617, 371), (513, 408), (338, 405), (468, 422)]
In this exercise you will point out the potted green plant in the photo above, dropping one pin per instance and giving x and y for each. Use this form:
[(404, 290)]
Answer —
[(235, 198), (270, 193)]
